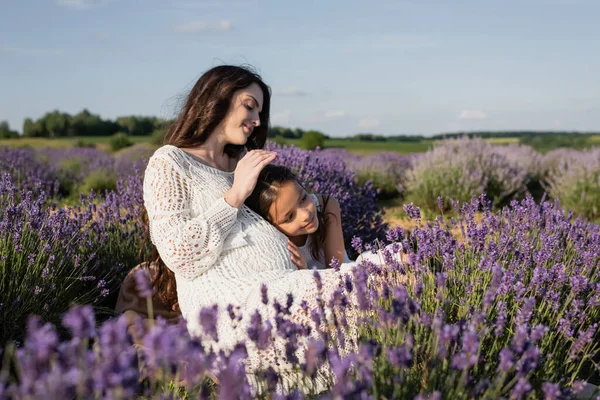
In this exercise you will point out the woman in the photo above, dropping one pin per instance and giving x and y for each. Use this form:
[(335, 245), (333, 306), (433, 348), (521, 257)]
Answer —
[(195, 186)]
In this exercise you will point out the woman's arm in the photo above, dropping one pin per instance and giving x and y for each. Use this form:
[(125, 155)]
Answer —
[(188, 246), (334, 238)]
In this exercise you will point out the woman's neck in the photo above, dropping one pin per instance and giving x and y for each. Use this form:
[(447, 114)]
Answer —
[(213, 153)]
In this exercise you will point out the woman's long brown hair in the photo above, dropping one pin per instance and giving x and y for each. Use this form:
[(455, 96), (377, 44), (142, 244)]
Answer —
[(205, 107)]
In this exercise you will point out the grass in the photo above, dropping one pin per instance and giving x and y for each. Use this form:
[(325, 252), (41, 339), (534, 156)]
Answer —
[(369, 148), (101, 142), (353, 146)]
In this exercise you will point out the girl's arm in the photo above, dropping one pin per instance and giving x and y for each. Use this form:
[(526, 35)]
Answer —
[(334, 238)]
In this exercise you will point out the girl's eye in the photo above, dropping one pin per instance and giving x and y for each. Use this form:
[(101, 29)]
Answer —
[(248, 107)]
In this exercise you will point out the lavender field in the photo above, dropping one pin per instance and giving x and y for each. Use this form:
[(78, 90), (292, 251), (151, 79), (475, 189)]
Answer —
[(494, 292)]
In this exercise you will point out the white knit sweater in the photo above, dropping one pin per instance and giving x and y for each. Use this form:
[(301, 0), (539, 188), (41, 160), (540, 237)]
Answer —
[(220, 254)]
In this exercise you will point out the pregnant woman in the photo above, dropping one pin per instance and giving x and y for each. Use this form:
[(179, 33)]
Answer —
[(220, 251)]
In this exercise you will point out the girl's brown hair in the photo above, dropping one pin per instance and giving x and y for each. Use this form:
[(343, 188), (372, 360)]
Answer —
[(270, 179), (205, 107)]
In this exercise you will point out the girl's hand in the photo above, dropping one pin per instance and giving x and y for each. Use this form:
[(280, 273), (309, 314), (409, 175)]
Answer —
[(297, 257), (246, 175)]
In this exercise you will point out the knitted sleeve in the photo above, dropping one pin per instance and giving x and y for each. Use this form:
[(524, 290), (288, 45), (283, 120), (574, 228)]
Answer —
[(188, 245)]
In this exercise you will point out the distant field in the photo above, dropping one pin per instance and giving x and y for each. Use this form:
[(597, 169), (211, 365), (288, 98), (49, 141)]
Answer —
[(364, 148), (502, 140), (101, 142), (595, 139), (354, 146)]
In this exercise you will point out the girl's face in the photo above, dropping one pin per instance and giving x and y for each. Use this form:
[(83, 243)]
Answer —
[(243, 115), (293, 212)]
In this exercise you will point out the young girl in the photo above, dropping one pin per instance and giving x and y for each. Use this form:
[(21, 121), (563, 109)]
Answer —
[(311, 222)]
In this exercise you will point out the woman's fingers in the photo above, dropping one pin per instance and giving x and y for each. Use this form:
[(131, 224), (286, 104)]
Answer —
[(263, 159), (266, 161)]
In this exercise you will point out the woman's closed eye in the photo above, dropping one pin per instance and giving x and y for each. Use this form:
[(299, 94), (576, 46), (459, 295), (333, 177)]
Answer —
[(248, 107)]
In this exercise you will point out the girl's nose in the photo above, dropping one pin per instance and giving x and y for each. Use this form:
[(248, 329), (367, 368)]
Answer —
[(307, 215)]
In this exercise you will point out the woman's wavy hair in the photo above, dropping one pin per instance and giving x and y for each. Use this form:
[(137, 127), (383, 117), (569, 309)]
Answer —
[(270, 179), (208, 103), (205, 107)]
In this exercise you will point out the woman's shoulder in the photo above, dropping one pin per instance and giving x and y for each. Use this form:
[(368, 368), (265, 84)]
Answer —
[(167, 152), (175, 158)]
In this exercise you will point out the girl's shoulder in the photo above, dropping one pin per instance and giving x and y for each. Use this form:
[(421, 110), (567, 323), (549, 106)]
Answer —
[(327, 203)]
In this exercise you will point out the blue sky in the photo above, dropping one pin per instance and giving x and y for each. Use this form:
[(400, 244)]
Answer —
[(343, 67)]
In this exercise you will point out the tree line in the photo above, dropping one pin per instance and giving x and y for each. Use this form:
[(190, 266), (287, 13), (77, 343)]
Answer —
[(61, 124)]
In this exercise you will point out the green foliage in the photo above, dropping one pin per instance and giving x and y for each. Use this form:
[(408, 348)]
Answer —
[(544, 144), (312, 139), (369, 137), (56, 124), (577, 187), (34, 129), (6, 132), (158, 137), (278, 140), (84, 143), (119, 141), (388, 188), (138, 126), (99, 181)]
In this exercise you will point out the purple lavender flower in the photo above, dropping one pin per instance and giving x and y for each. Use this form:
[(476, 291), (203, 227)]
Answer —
[(264, 295), (433, 396), (357, 244), (234, 374), (440, 202), (81, 321), (400, 357), (142, 280), (585, 337), (521, 388), (506, 360), (412, 211), (315, 353), (468, 356), (551, 391), (208, 321)]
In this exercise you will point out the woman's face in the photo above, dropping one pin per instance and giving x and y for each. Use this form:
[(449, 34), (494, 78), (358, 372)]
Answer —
[(243, 115), (293, 212)]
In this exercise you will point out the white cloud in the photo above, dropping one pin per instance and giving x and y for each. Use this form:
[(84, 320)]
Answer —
[(369, 123), (472, 114), (81, 4), (204, 26), (289, 91), (334, 114), (281, 118)]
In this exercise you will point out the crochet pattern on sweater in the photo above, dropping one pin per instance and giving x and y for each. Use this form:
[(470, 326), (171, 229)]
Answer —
[(222, 255)]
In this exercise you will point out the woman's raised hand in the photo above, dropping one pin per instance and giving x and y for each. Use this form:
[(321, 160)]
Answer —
[(246, 175)]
